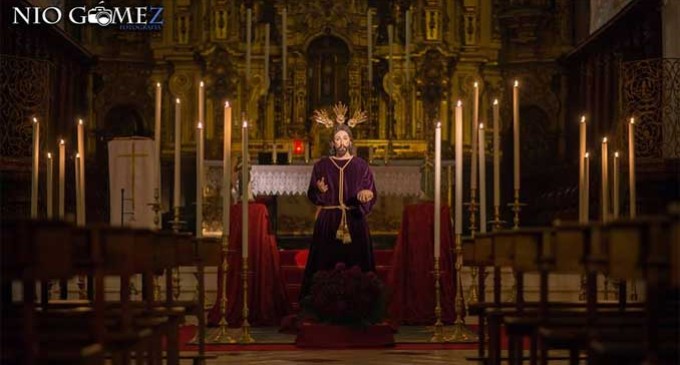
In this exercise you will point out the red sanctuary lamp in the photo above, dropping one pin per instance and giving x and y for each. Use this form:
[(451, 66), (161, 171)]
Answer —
[(298, 147)]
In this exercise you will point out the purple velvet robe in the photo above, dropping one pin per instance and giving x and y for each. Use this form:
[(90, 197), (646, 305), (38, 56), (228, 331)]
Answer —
[(325, 250)]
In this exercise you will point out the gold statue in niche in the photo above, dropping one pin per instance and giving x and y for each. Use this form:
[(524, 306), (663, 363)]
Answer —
[(432, 25)]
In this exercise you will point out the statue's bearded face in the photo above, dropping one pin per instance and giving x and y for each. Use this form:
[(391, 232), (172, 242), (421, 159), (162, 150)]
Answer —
[(342, 143)]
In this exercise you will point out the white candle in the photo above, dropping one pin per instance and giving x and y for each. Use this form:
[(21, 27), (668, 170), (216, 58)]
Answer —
[(390, 40), (266, 54), (631, 167), (437, 189), (459, 168), (226, 171), (496, 155), (81, 171), (284, 48), (50, 182), (178, 163), (581, 152), (482, 181), (307, 152), (586, 183), (515, 132), (36, 168), (369, 41), (604, 197), (201, 102), (615, 184), (199, 179), (244, 191), (76, 171), (249, 27), (62, 175), (475, 131), (157, 136), (408, 42)]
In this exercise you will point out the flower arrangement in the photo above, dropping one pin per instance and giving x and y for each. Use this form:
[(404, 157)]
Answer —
[(346, 297)]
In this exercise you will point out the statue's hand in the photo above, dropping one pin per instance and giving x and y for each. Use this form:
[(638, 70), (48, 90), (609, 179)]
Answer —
[(365, 196), (321, 185)]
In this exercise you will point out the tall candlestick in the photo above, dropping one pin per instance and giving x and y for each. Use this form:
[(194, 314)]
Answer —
[(62, 176), (369, 41), (482, 181), (76, 171), (199, 179), (274, 159), (631, 168), (226, 171), (604, 198), (307, 152), (266, 54), (586, 183), (475, 132), (496, 156), (244, 191), (407, 47), (390, 40), (515, 132), (36, 168), (615, 185), (581, 152), (459, 168), (284, 48), (249, 30), (178, 161), (81, 172), (157, 135), (437, 189), (50, 182)]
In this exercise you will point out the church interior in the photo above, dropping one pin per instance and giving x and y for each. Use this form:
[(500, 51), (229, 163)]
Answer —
[(155, 171)]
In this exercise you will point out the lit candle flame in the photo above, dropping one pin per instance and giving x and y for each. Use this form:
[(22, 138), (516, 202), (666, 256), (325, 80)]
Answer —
[(495, 101), (49, 155), (481, 125), (177, 100), (226, 104), (245, 124), (202, 84), (80, 121), (476, 84), (200, 125), (158, 84), (61, 141), (439, 124), (516, 83), (583, 119), (632, 120), (587, 154), (616, 154), (604, 140), (460, 103)]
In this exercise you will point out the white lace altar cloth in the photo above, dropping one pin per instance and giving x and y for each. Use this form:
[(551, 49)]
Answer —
[(294, 179)]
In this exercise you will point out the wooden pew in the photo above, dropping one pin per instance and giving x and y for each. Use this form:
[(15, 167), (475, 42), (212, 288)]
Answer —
[(34, 251)]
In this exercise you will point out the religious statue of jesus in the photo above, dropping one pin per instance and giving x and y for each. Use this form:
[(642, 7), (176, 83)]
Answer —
[(343, 190)]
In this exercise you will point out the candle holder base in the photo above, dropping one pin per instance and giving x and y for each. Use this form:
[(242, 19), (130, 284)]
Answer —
[(461, 334)]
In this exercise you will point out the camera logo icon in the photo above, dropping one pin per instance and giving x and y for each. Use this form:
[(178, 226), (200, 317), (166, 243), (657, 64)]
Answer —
[(100, 15)]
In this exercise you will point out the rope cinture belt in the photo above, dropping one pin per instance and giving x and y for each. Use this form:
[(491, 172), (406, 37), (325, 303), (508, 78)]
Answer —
[(342, 233)]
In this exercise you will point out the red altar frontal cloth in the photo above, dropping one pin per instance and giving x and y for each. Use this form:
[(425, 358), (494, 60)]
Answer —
[(411, 276), (266, 290)]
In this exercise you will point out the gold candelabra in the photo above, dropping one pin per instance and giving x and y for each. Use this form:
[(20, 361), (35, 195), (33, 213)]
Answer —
[(245, 327), (438, 335), (156, 207), (222, 335), (176, 227), (460, 332), (472, 208), (516, 207)]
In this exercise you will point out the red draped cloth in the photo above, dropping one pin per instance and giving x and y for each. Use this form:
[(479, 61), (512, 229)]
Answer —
[(411, 276), (267, 299)]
